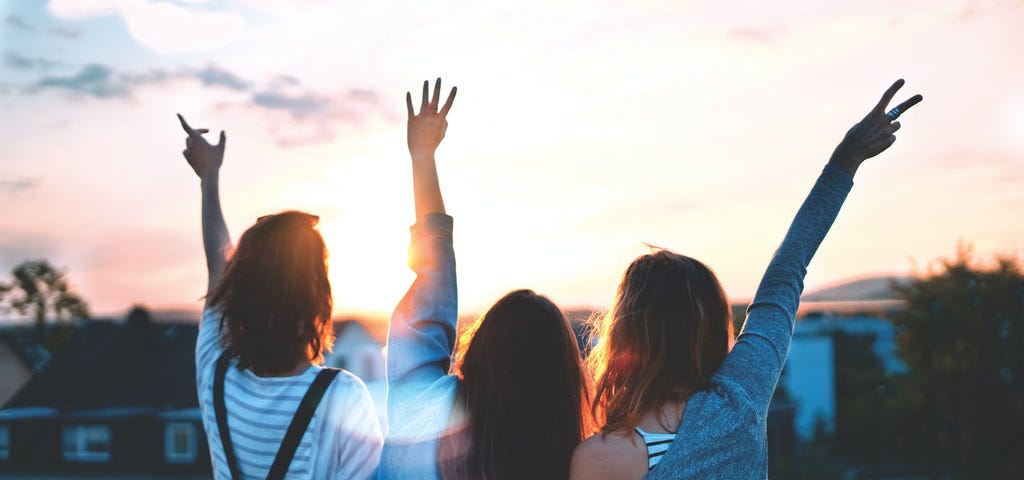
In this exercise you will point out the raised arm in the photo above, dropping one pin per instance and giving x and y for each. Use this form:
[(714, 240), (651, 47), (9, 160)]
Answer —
[(421, 336), (756, 361), (205, 160)]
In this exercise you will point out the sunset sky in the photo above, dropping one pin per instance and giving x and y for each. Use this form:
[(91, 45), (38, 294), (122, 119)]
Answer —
[(582, 130)]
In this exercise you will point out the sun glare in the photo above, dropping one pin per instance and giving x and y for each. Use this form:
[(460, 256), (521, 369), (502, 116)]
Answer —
[(367, 233), (368, 274)]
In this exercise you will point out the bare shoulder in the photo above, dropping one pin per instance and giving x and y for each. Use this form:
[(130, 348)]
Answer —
[(609, 456)]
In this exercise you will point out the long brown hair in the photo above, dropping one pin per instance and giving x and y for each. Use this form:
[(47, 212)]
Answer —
[(666, 333), (275, 297), (524, 392)]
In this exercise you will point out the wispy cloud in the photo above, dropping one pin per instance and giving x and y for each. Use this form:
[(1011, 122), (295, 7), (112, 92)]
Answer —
[(17, 247), (303, 104), (17, 22), (212, 75), (21, 62), (93, 80), (318, 117), (299, 106), (66, 32), (102, 82), (18, 185)]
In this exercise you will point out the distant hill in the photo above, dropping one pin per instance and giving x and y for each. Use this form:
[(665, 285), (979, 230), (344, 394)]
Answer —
[(860, 289), (175, 315)]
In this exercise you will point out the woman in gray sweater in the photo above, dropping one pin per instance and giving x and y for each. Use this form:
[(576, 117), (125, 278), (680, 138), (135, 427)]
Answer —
[(676, 396)]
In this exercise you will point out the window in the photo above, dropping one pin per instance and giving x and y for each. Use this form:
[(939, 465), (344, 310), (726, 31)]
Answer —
[(87, 443), (180, 442), (5, 442)]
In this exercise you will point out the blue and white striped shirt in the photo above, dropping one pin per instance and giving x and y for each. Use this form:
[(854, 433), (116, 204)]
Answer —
[(343, 440), (657, 444)]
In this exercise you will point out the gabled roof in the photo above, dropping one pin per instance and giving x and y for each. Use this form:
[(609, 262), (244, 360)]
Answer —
[(378, 330), (23, 344), (108, 365)]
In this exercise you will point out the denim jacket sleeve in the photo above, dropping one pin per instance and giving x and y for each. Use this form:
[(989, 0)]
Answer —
[(421, 336)]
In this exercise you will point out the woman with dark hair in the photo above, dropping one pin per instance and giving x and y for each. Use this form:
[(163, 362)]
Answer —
[(268, 408), (514, 404), (671, 387)]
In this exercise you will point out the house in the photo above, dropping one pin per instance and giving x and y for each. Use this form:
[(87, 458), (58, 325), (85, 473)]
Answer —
[(809, 379), (357, 350), (117, 397), (809, 376), (858, 307), (360, 350), (14, 370)]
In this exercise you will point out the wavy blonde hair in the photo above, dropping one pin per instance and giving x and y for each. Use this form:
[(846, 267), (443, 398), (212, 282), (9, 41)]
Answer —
[(667, 331)]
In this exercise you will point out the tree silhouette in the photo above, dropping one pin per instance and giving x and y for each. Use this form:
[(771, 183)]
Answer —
[(37, 290), (963, 338)]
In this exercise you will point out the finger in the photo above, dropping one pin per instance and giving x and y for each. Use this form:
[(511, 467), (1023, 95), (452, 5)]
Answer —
[(448, 103), (916, 99), (437, 95), (887, 96), (202, 130), (894, 127), (425, 101), (408, 104), (184, 124), (223, 140)]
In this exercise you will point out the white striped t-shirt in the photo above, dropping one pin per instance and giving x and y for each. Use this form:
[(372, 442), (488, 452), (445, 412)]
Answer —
[(343, 440)]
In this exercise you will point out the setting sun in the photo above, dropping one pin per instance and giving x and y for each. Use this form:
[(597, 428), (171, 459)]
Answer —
[(680, 125)]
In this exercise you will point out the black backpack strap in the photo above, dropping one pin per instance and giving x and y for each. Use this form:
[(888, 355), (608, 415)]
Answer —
[(222, 413), (299, 423)]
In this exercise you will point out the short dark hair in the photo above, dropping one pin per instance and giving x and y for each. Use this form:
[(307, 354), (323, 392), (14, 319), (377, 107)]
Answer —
[(275, 297)]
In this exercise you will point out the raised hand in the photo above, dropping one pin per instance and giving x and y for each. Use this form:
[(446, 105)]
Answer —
[(204, 158), (426, 130), (874, 133)]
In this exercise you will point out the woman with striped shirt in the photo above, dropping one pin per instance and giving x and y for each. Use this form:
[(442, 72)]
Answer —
[(268, 408), (681, 399)]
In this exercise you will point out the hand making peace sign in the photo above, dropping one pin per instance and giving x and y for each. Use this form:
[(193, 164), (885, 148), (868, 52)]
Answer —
[(874, 133)]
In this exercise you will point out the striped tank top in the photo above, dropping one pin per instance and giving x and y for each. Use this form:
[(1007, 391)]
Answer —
[(657, 444)]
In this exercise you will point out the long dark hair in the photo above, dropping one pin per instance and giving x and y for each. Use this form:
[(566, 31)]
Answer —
[(275, 297), (666, 333), (524, 394)]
